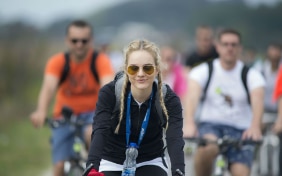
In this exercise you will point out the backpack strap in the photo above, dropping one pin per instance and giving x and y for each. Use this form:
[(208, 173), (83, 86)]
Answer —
[(119, 78), (210, 70), (66, 68), (244, 73), (118, 86), (93, 66), (263, 69)]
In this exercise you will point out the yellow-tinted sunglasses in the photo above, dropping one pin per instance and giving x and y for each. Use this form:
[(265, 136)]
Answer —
[(133, 69)]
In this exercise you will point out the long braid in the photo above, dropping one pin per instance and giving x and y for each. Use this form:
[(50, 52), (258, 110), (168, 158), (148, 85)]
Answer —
[(160, 91), (160, 83), (123, 90)]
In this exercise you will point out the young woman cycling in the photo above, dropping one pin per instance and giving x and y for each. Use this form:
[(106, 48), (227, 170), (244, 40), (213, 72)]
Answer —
[(140, 93)]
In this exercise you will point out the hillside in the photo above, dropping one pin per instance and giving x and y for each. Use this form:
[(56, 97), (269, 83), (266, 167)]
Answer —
[(174, 16)]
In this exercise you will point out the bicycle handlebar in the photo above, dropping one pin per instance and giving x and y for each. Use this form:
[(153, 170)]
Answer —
[(87, 170), (68, 118), (52, 123), (225, 141), (90, 166), (55, 123)]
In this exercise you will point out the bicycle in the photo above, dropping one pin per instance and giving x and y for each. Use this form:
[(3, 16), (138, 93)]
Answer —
[(268, 158), (221, 163), (74, 166), (90, 166)]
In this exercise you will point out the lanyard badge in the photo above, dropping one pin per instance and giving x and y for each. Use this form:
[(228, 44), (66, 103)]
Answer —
[(144, 124)]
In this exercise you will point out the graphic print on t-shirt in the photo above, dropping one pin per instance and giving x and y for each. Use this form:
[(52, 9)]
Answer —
[(78, 85), (227, 98)]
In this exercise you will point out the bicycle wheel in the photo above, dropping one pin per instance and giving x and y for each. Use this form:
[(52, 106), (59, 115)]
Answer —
[(75, 170)]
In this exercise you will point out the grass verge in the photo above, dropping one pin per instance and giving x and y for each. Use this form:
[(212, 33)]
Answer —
[(24, 150)]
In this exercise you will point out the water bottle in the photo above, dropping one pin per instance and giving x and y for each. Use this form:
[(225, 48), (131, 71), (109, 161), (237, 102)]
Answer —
[(129, 165)]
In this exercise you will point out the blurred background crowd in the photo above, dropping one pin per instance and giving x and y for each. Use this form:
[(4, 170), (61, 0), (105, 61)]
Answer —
[(184, 30)]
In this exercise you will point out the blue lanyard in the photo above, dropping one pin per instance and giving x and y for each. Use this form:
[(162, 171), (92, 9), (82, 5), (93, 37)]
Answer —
[(144, 124)]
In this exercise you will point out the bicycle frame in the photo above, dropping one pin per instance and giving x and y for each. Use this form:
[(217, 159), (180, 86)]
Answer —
[(269, 153), (220, 165), (77, 163)]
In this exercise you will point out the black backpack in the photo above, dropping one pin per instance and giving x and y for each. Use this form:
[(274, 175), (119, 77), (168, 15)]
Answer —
[(118, 86), (244, 73), (66, 68)]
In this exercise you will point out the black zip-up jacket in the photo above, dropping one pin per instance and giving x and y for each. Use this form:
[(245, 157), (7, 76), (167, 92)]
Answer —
[(110, 146)]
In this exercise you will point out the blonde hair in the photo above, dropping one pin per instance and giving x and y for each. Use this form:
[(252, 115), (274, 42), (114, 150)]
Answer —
[(151, 48)]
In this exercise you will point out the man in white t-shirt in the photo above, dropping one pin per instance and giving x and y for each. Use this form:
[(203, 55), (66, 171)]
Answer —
[(225, 111)]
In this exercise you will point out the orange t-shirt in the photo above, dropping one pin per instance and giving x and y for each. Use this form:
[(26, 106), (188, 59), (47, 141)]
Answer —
[(80, 89)]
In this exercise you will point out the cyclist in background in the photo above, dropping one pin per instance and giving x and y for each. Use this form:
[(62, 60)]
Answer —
[(173, 72), (204, 50), (78, 89), (278, 123), (140, 91), (269, 68), (225, 110)]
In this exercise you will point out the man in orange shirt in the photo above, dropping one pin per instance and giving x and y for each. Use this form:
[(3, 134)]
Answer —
[(79, 89)]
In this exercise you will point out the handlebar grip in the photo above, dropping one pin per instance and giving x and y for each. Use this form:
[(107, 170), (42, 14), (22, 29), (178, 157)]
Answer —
[(87, 170), (191, 138), (48, 121), (199, 141), (258, 142), (52, 123)]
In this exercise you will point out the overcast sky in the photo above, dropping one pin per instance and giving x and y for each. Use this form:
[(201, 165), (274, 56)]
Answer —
[(43, 12)]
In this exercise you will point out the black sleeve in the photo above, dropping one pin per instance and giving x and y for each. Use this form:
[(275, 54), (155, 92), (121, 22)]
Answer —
[(174, 134), (214, 53), (191, 60), (101, 124)]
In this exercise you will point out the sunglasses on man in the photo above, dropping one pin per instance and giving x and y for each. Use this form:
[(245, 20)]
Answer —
[(83, 41), (133, 69), (231, 44)]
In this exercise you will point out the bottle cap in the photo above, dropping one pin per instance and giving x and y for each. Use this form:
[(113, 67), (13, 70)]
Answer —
[(133, 144)]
